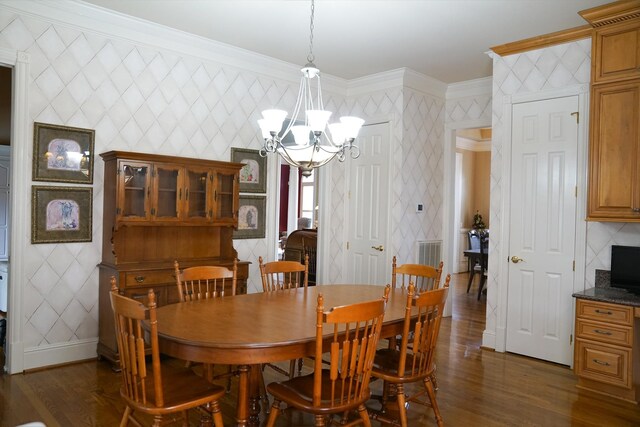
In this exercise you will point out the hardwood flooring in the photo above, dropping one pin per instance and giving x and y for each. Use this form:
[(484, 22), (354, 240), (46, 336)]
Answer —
[(477, 387)]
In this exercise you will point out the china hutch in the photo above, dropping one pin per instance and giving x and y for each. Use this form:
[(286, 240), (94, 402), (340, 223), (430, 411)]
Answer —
[(158, 209)]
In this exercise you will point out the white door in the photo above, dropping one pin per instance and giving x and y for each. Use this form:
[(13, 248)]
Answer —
[(542, 229), (368, 208)]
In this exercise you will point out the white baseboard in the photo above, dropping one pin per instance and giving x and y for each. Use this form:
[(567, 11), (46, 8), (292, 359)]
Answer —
[(488, 339), (57, 354)]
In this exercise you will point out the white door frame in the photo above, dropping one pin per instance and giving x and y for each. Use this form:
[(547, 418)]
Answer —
[(20, 180), (449, 201), (582, 91)]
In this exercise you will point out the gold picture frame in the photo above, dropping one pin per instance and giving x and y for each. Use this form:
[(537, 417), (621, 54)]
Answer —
[(62, 153), (61, 214)]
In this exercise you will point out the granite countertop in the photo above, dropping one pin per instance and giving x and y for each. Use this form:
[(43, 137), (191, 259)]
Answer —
[(603, 292), (612, 295)]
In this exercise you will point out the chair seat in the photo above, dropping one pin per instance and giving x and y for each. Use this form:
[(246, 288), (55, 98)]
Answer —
[(187, 388), (298, 392), (385, 366)]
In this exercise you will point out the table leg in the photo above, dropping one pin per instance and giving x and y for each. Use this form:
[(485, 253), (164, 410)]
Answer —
[(254, 395), (242, 411)]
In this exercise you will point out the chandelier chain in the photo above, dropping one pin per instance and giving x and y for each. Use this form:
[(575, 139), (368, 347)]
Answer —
[(310, 57)]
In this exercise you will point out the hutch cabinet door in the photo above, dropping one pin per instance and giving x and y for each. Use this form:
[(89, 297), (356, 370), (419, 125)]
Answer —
[(134, 183), (167, 192), (614, 156), (197, 199), (617, 52), (225, 197)]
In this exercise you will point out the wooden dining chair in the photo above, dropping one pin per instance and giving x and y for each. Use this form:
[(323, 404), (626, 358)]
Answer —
[(350, 334), (204, 282), (424, 277), (157, 389), (414, 361), (279, 275)]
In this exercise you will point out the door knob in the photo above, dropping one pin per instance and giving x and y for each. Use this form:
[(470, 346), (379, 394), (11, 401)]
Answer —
[(378, 248), (515, 259)]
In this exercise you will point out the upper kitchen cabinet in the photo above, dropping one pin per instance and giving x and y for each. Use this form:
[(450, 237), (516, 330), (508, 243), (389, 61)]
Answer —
[(614, 134), (147, 189)]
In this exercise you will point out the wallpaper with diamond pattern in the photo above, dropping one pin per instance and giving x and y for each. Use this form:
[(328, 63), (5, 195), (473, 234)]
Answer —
[(543, 69), (144, 99)]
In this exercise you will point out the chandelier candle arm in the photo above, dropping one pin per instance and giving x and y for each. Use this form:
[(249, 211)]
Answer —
[(313, 146)]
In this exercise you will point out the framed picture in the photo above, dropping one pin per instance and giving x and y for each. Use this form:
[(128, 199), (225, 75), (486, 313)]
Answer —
[(62, 153), (61, 214), (251, 217), (253, 176)]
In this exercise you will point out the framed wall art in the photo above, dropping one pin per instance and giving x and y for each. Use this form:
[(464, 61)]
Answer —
[(61, 214), (62, 153), (253, 176), (251, 217)]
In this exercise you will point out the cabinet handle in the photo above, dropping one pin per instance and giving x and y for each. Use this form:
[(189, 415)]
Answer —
[(599, 362), (139, 279), (180, 194), (215, 196), (636, 210), (608, 313), (598, 331)]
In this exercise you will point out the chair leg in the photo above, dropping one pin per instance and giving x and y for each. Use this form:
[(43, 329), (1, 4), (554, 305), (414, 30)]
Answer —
[(157, 421), (275, 410), (292, 368), (471, 274), (432, 398), (364, 415), (124, 422), (402, 409), (217, 414)]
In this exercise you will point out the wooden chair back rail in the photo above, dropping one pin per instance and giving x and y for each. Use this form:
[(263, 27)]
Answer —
[(424, 277), (279, 275), (204, 282)]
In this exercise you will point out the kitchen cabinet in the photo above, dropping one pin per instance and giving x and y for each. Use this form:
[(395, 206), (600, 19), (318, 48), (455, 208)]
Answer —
[(614, 134), (604, 350), (158, 209)]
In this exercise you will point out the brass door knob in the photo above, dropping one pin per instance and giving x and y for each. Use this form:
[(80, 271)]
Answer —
[(515, 259), (378, 248)]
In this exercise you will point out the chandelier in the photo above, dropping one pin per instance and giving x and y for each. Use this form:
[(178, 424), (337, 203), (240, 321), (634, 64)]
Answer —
[(312, 146)]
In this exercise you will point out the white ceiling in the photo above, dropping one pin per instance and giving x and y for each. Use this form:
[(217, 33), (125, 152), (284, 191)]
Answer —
[(444, 39)]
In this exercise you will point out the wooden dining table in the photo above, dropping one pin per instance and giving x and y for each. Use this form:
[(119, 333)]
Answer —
[(249, 330)]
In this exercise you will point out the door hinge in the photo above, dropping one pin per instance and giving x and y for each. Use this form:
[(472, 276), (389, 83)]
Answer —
[(570, 339), (576, 192), (574, 265), (577, 114), (347, 245)]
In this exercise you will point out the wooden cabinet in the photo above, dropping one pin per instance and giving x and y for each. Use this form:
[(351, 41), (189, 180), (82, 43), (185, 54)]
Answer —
[(158, 209), (614, 134), (605, 349)]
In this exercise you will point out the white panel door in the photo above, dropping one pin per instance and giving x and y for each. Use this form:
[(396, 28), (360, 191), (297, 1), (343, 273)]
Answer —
[(542, 229), (368, 208)]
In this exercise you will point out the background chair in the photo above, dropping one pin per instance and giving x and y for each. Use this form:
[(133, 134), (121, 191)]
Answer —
[(160, 389), (278, 275), (414, 360), (204, 282), (355, 330), (424, 277), (478, 240)]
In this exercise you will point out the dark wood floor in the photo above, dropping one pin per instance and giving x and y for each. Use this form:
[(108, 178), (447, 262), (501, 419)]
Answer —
[(476, 388)]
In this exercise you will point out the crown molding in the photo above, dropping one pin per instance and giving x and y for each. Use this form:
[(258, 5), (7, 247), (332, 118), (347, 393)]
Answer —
[(545, 40), (395, 79), (476, 87), (114, 25)]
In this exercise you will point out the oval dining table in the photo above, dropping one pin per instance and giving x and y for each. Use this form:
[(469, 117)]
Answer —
[(249, 330)]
